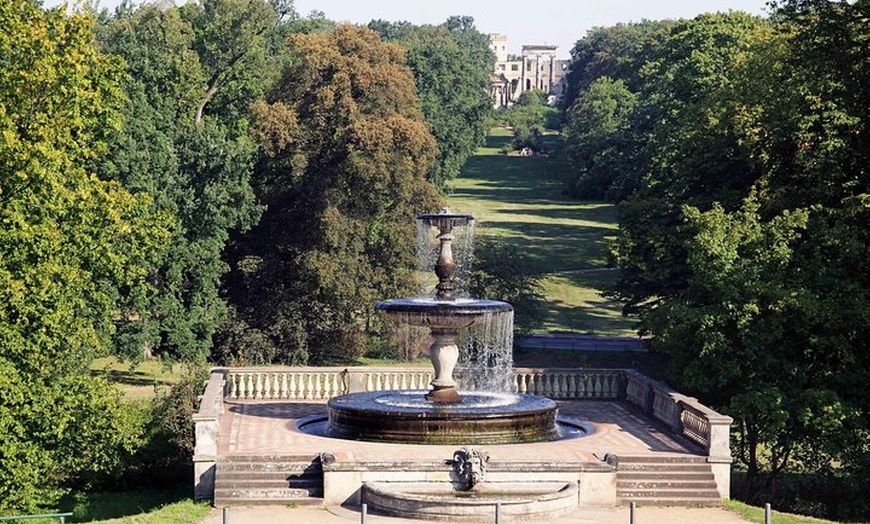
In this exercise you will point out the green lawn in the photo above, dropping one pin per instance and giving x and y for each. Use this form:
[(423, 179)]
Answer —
[(520, 199), (756, 514), (139, 381)]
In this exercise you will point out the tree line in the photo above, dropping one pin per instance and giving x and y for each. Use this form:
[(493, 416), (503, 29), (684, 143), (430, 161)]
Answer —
[(737, 148), (224, 181)]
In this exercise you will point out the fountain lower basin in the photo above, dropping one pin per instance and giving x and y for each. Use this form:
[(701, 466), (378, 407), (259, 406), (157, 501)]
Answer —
[(440, 501), (407, 417)]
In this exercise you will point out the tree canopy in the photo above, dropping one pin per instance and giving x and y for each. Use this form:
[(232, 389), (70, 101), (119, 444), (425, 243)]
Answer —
[(72, 246), (738, 149), (452, 64), (346, 153), (193, 71)]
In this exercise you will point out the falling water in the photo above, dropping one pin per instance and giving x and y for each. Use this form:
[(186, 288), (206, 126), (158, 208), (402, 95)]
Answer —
[(486, 354)]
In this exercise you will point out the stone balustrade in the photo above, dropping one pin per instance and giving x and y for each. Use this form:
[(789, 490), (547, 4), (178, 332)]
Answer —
[(327, 382), (207, 429), (568, 384)]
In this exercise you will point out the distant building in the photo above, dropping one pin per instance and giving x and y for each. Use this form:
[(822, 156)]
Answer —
[(537, 68)]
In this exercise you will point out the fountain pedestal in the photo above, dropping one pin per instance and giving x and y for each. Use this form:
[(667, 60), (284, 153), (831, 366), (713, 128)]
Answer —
[(444, 354)]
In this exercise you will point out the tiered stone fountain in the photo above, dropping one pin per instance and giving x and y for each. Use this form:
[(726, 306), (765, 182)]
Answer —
[(445, 414)]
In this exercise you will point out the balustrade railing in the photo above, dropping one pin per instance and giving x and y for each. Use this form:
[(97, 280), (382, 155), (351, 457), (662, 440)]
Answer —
[(325, 383)]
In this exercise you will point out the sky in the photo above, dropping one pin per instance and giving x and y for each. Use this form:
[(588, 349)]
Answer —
[(551, 22)]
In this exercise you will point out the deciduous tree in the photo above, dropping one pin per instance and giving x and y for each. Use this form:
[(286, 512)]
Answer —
[(71, 247), (347, 151)]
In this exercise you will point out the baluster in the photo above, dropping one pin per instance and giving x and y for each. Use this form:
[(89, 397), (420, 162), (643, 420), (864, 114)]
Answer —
[(572, 385), (267, 385), (318, 387), (303, 385), (309, 386), (291, 386), (338, 385), (582, 389), (258, 386), (249, 379), (521, 383), (233, 386)]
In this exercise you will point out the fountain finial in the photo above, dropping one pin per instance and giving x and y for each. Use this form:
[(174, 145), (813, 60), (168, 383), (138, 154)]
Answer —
[(445, 267)]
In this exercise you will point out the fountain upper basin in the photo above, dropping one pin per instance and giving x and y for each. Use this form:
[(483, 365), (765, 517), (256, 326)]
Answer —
[(446, 314)]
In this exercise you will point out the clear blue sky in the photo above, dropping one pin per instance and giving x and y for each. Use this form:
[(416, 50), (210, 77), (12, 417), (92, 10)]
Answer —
[(553, 22)]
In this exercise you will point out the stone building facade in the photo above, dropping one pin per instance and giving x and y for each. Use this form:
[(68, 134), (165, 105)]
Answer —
[(537, 68)]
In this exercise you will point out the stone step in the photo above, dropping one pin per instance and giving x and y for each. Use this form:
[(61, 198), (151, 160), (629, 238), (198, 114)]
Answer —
[(298, 468), (305, 501), (661, 459), (672, 501), (230, 483), (690, 476), (287, 459), (243, 494), (663, 467), (271, 475), (256, 480), (269, 469), (665, 484)]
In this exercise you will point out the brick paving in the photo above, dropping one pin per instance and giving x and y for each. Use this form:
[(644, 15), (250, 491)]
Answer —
[(269, 427)]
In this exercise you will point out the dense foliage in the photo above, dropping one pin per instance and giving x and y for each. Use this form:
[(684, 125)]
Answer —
[(452, 64), (71, 247), (346, 153), (193, 71), (738, 148)]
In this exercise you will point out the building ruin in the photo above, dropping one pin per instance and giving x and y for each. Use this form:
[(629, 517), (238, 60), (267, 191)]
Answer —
[(537, 68)]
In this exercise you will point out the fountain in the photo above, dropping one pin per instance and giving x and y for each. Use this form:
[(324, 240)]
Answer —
[(445, 414)]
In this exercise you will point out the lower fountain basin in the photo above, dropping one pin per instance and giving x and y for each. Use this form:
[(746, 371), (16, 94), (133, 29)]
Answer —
[(406, 417), (439, 500)]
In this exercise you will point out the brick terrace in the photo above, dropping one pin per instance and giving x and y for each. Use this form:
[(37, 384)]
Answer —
[(269, 427)]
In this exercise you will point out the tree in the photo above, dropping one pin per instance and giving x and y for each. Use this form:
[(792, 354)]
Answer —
[(198, 164), (600, 143), (72, 246), (346, 155), (745, 251), (618, 52), (502, 272), (451, 63)]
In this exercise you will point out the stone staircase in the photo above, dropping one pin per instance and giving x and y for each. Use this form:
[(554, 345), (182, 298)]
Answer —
[(258, 480), (666, 481)]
